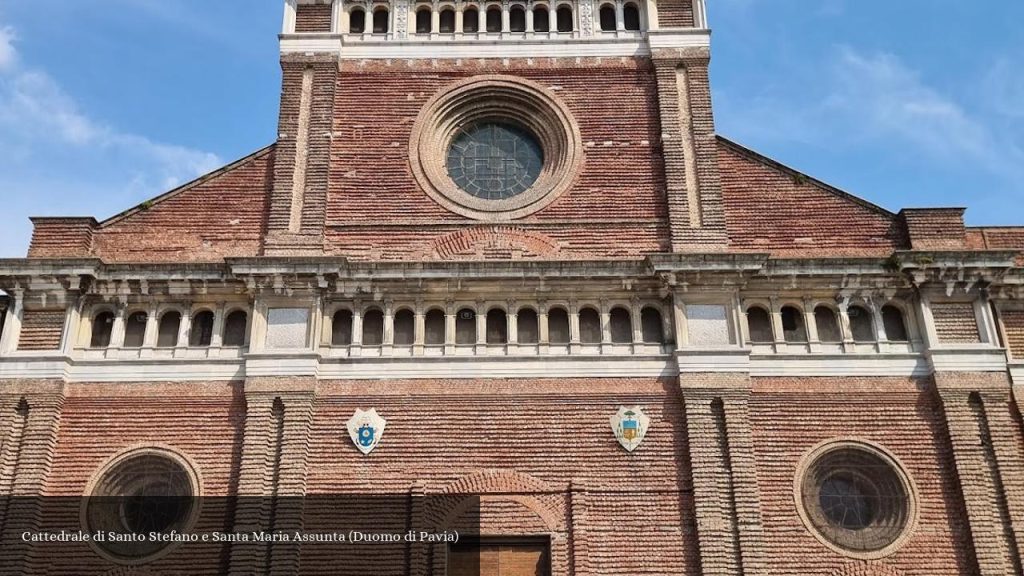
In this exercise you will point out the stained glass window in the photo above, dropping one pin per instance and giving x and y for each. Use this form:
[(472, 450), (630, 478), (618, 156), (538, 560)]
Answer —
[(495, 161)]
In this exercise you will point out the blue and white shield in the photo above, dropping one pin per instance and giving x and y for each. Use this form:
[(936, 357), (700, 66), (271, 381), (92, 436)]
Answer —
[(630, 426), (366, 429)]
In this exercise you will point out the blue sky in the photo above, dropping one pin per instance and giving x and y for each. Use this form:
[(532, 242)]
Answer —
[(909, 103)]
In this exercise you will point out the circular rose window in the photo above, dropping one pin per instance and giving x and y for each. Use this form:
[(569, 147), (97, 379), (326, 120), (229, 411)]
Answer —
[(139, 493), (856, 498), (495, 160), (495, 148)]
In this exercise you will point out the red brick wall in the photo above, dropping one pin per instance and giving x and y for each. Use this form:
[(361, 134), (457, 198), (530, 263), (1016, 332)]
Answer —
[(41, 330), (956, 323), (1013, 323), (313, 18), (935, 228), (903, 415), (618, 200), (675, 14), (771, 209), (61, 237), (221, 216)]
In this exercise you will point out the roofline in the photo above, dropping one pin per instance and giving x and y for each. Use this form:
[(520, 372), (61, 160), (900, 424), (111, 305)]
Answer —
[(147, 204), (737, 147)]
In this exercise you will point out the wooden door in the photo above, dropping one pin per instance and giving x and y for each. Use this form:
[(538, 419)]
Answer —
[(499, 559)]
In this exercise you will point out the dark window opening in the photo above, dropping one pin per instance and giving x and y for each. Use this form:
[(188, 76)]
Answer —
[(471, 21), (447, 21), (341, 328), (590, 326), (541, 23), (357, 21), (494, 19), (497, 327), (405, 328), (861, 326), (465, 327), (170, 325), (435, 327), (526, 327), (652, 326), (423, 21), (895, 325), (759, 323), (621, 326), (135, 330), (380, 22), (517, 19), (793, 328), (564, 19), (202, 330), (607, 17), (828, 325), (558, 326), (235, 327), (102, 327), (373, 328)]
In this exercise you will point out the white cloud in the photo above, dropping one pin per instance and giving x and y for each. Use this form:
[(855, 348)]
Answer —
[(8, 54), (69, 163), (1004, 88)]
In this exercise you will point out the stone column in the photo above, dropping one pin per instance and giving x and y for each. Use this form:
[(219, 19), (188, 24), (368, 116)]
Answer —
[(481, 327), (217, 339), (620, 21), (389, 328), (449, 327), (811, 325), (512, 322), (357, 329), (72, 325), (117, 332), (574, 327), (185, 329), (419, 329), (12, 323), (543, 328)]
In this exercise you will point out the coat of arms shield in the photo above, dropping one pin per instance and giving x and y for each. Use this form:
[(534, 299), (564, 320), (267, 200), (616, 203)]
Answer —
[(630, 426), (366, 428)]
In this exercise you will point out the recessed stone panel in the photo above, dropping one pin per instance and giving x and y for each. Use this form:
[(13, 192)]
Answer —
[(708, 325), (287, 328)]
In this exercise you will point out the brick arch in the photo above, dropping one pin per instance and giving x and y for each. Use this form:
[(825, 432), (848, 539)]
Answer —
[(866, 569), (503, 485), (494, 243)]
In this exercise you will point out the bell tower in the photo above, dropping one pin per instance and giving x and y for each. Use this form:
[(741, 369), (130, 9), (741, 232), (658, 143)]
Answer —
[(610, 96)]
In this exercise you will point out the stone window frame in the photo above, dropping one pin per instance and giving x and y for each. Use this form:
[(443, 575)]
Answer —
[(192, 470), (500, 98), (824, 448)]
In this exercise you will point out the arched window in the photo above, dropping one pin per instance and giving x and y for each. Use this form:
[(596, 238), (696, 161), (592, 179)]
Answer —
[(621, 326), (651, 326), (590, 326), (607, 17), (541, 22), (373, 327), (135, 330), (497, 327), (202, 330), (167, 333), (494, 19), (861, 326), (471, 20), (447, 21), (526, 326), (631, 17), (828, 325), (102, 327), (793, 328), (341, 328), (759, 323), (235, 326), (423, 21), (357, 21), (564, 19), (894, 324), (435, 327), (517, 19), (380, 21), (405, 328), (558, 326), (465, 327)]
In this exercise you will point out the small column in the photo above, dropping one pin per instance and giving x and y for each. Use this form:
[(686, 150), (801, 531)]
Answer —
[(72, 324), (185, 329), (636, 316), (512, 322), (149, 339), (458, 22), (777, 328), (679, 313), (258, 327), (620, 20), (117, 331), (12, 325), (811, 325), (481, 327), (449, 327), (574, 327), (217, 339), (529, 20), (543, 330), (606, 327), (481, 17), (435, 20), (290, 9), (880, 336), (357, 329), (419, 330), (505, 18), (389, 328)]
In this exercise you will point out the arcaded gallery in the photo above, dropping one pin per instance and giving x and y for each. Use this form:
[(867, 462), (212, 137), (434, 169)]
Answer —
[(500, 301)]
